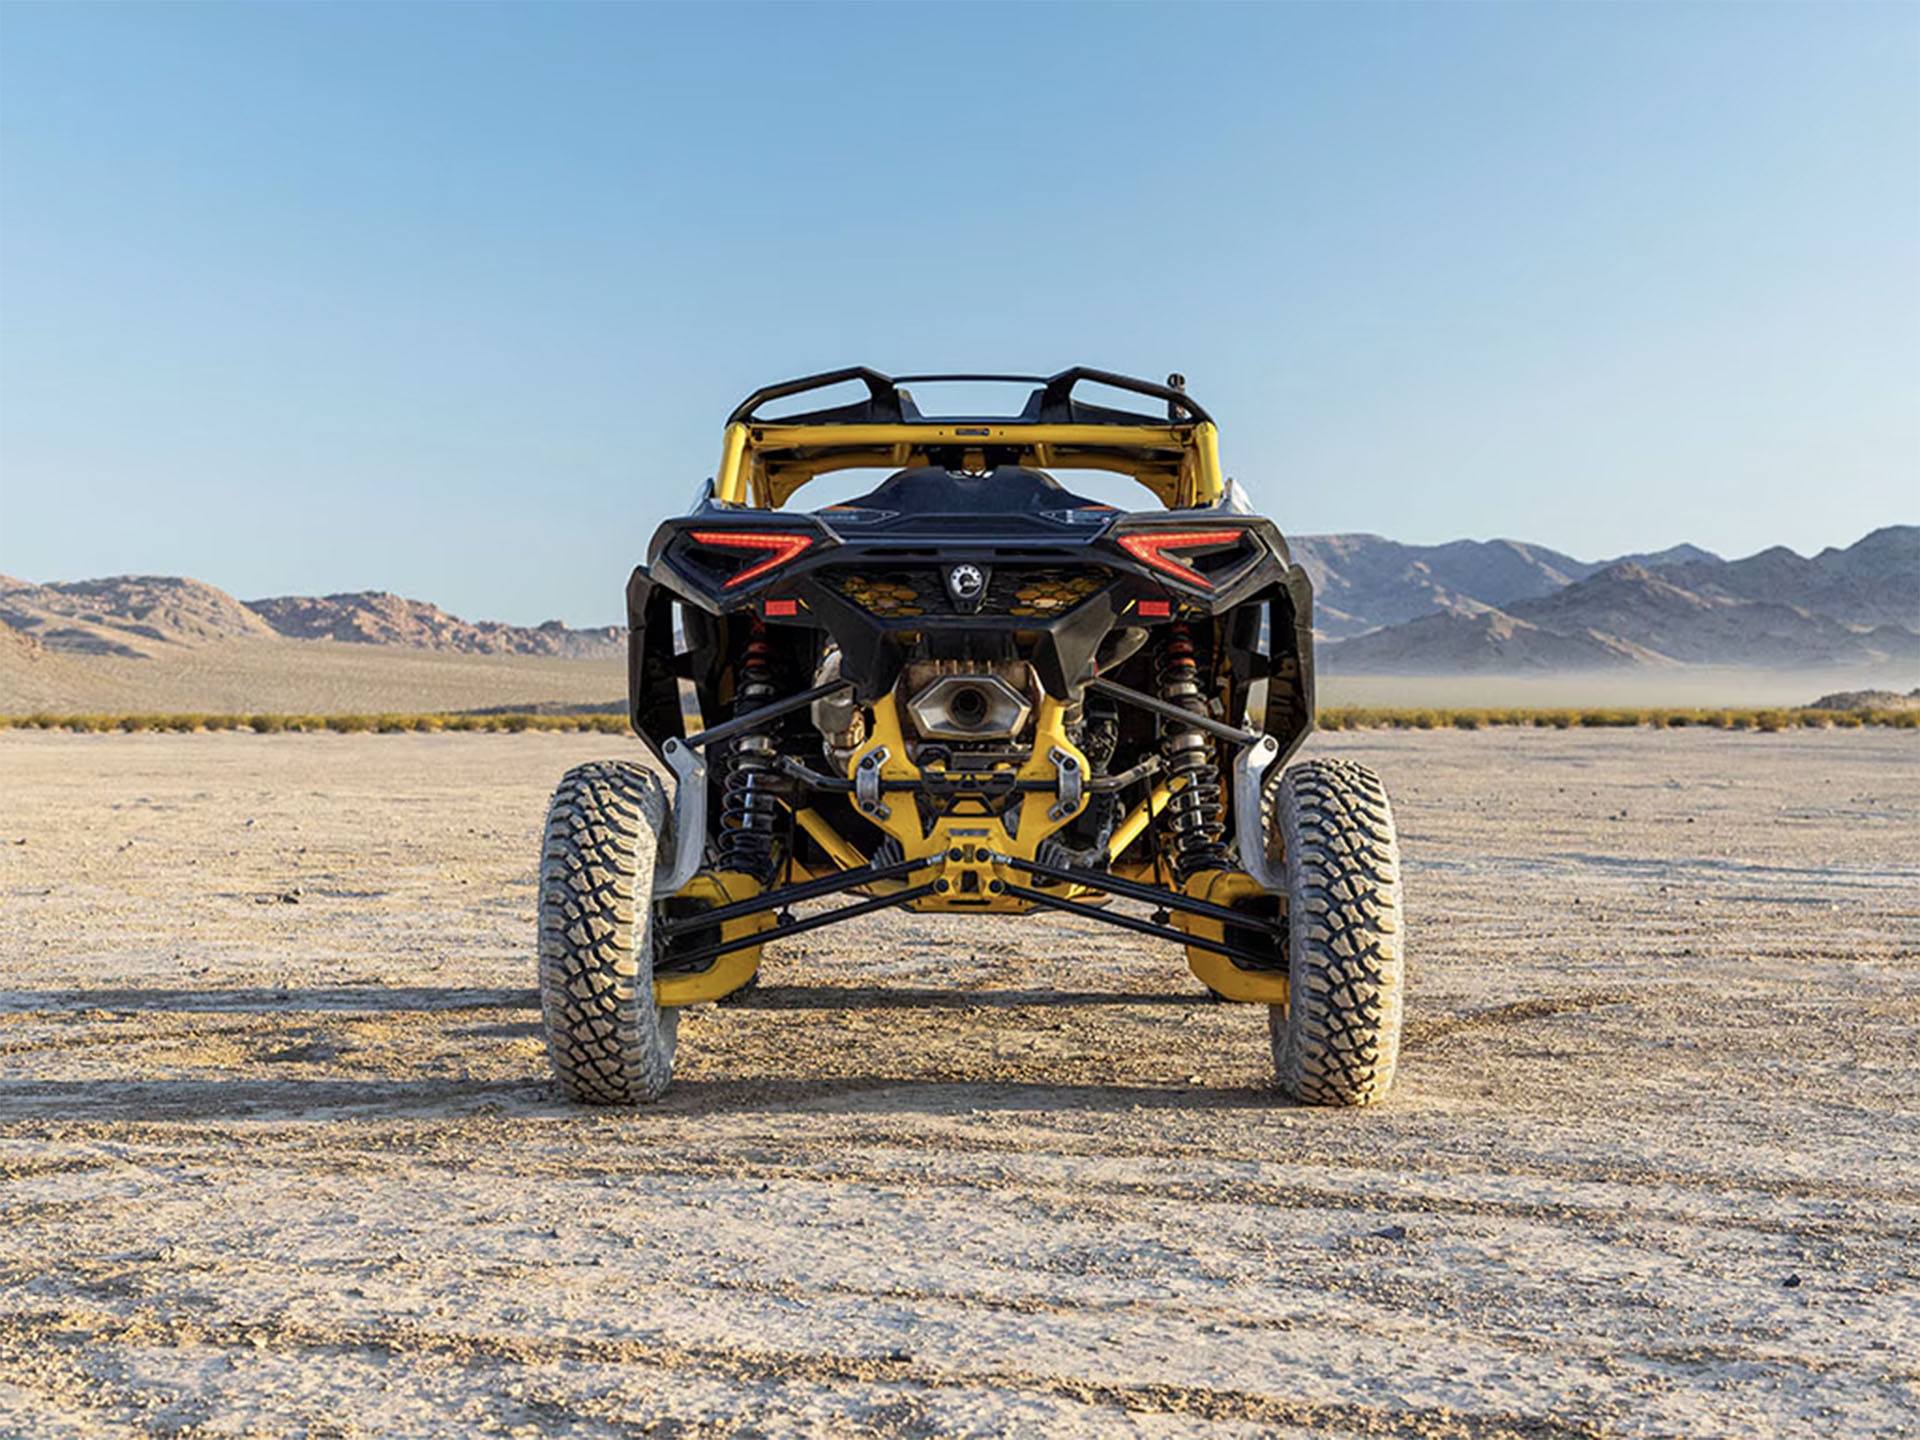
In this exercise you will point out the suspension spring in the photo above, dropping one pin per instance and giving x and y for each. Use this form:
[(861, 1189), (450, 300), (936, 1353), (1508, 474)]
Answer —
[(749, 807), (1196, 811)]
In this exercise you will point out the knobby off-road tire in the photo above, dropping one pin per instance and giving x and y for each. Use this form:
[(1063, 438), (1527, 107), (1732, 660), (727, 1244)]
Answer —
[(1337, 1039), (610, 1044)]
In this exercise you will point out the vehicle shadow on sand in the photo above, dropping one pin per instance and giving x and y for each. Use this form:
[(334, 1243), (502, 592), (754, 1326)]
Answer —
[(895, 1078)]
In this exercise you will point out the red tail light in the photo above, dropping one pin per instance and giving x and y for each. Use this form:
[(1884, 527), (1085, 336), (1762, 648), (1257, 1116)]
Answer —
[(1150, 548), (779, 546)]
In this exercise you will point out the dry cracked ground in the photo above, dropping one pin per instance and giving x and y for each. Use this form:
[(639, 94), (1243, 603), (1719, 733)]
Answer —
[(279, 1156)]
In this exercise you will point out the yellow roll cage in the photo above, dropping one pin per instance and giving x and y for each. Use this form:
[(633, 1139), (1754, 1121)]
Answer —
[(762, 464)]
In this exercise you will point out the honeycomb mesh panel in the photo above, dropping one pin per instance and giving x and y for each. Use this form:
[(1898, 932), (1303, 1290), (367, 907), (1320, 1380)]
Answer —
[(892, 594), (1042, 593), (1023, 592)]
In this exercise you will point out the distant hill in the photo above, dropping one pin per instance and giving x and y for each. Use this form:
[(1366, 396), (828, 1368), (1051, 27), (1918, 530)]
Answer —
[(1477, 641), (137, 616), (1875, 581), (375, 617), (126, 615), (1858, 606), (1868, 700), (1363, 582)]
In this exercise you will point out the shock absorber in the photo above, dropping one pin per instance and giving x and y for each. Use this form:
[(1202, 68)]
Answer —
[(749, 810), (1196, 812)]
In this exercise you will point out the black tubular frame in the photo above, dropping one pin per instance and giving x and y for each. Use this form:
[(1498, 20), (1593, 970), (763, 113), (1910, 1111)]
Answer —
[(1133, 890), (846, 880), (1167, 710), (1252, 958), (834, 884), (1051, 402), (773, 710), (796, 927)]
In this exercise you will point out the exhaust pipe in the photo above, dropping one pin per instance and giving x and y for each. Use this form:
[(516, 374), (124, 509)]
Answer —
[(969, 707)]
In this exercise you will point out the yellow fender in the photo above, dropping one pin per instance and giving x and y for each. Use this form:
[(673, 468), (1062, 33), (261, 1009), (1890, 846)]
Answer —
[(730, 971), (1217, 972)]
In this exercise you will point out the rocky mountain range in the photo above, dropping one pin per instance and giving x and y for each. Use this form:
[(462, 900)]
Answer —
[(375, 617), (1502, 607), (1381, 608), (1364, 582), (136, 616)]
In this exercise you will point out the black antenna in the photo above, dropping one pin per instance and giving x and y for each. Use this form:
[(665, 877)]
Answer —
[(1176, 381)]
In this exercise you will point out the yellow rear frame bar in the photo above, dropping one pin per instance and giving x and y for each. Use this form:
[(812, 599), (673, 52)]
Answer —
[(763, 465)]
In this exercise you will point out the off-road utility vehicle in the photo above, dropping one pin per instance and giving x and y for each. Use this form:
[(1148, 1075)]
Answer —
[(971, 690)]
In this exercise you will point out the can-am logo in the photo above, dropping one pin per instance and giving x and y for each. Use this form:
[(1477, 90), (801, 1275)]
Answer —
[(967, 584)]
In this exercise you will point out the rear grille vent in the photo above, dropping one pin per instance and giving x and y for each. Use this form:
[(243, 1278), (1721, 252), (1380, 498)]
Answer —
[(893, 594), (1044, 593), (1022, 592)]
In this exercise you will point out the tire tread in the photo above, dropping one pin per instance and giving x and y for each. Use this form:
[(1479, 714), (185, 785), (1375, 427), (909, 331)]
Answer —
[(608, 1041), (1337, 1040)]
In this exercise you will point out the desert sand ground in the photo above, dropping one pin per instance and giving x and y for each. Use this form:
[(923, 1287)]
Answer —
[(278, 1154)]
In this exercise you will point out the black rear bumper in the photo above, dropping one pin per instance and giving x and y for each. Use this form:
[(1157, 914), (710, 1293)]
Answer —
[(1058, 590)]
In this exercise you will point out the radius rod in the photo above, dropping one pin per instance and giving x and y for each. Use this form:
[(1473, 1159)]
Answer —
[(793, 927), (1133, 890), (1169, 711), (1253, 958), (771, 711), (792, 894)]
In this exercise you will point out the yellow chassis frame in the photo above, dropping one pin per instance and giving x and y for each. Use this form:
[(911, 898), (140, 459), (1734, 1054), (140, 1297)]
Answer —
[(959, 850)]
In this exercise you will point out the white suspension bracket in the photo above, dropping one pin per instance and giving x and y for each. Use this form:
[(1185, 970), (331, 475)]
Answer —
[(1250, 768), (688, 841), (866, 783), (1070, 782)]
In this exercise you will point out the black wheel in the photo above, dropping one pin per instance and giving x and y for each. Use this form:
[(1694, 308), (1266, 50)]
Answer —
[(1337, 1039), (610, 1044)]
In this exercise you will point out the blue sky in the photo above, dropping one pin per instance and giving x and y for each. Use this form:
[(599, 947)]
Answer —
[(451, 299)]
